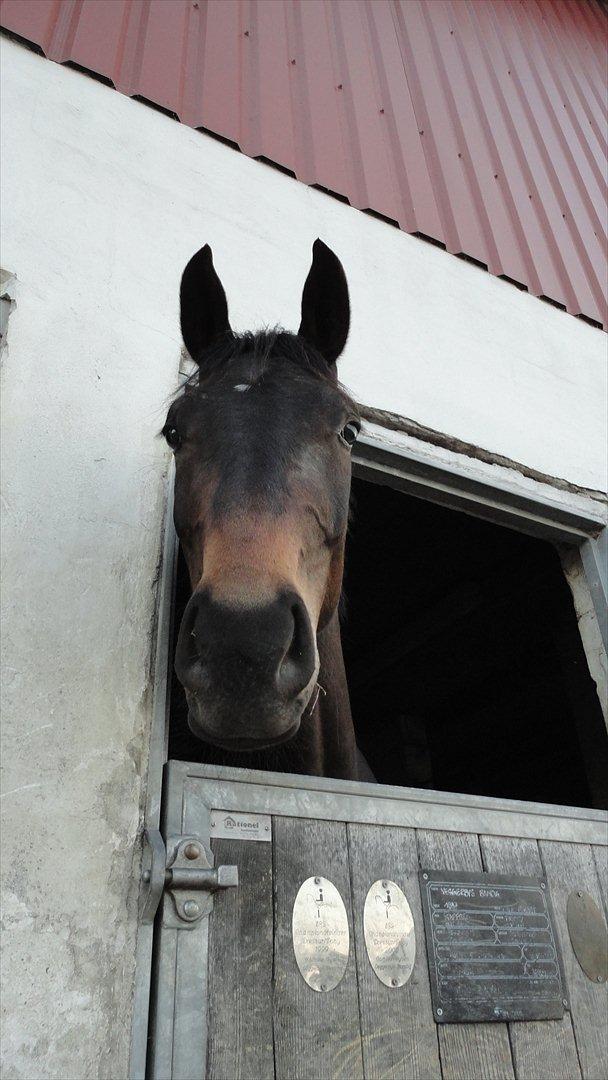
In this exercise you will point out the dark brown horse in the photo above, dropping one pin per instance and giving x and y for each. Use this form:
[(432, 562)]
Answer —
[(262, 440)]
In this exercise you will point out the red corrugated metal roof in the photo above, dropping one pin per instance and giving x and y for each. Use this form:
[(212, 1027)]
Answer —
[(481, 125)]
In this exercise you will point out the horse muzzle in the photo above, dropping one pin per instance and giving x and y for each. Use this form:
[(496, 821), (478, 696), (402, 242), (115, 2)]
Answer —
[(248, 672)]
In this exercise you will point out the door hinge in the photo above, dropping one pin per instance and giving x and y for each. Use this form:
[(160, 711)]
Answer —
[(184, 870)]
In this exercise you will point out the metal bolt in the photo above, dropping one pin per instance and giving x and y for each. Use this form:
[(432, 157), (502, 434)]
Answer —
[(394, 982), (439, 1012), (192, 851), (426, 877), (191, 909), (317, 881), (542, 885), (145, 876)]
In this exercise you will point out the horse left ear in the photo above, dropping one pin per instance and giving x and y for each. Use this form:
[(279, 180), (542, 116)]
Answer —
[(325, 305), (203, 305)]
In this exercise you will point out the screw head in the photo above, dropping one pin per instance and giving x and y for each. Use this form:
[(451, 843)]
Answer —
[(145, 876), (425, 877), (600, 978), (394, 982), (317, 881), (323, 986), (439, 1012), (565, 1003), (191, 909), (267, 828), (580, 895), (192, 851), (542, 885), (384, 885)]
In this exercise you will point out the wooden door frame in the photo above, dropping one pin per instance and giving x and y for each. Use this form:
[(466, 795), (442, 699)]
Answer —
[(500, 501)]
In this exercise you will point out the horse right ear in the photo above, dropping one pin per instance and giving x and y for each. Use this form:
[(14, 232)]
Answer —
[(325, 304), (203, 305)]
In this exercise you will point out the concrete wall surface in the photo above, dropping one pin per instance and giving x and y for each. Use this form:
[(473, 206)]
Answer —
[(103, 202)]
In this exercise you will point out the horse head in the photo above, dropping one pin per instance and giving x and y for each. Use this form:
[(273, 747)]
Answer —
[(262, 438)]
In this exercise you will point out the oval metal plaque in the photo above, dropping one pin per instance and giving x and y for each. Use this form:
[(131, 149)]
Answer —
[(587, 929), (321, 938), (390, 937)]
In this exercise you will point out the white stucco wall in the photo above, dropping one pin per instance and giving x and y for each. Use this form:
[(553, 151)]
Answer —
[(103, 202)]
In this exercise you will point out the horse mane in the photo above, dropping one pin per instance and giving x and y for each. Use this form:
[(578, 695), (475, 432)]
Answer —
[(261, 348)]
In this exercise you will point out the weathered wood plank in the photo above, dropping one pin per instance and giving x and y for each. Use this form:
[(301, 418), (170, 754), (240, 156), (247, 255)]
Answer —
[(317, 1036), (398, 1029), (570, 867), (240, 1044), (544, 1048), (468, 1051), (600, 857)]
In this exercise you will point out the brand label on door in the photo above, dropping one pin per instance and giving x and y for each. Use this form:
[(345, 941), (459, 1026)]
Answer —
[(232, 825)]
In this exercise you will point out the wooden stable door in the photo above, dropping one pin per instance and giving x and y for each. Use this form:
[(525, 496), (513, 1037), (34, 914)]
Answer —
[(229, 1000)]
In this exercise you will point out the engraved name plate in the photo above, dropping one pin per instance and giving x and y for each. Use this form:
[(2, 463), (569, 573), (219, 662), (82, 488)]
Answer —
[(321, 938), (390, 938), (492, 947)]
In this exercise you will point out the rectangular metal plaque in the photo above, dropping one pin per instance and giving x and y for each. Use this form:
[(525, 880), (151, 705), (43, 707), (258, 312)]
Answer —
[(492, 948), (233, 825)]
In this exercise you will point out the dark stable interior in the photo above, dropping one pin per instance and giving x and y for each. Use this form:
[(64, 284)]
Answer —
[(465, 665)]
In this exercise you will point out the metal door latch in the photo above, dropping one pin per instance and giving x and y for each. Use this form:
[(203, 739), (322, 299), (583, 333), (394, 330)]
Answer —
[(184, 869)]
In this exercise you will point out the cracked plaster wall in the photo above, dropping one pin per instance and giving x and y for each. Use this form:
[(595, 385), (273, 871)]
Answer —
[(103, 202)]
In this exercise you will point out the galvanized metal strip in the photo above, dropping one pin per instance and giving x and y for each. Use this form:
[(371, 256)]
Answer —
[(594, 556), (537, 514), (340, 800), (157, 755)]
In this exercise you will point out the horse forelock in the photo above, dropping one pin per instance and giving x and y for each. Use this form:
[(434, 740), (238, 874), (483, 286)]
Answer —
[(261, 349)]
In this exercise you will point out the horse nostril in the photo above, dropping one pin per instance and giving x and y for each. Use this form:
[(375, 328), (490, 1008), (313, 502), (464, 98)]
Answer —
[(297, 665)]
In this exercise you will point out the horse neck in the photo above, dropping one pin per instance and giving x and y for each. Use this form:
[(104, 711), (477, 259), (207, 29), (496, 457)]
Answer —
[(332, 714)]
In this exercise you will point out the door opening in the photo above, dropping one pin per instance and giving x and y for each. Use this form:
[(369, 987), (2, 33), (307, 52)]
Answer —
[(465, 665)]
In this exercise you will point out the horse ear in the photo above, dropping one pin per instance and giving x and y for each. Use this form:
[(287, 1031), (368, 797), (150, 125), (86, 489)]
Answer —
[(203, 306), (325, 306)]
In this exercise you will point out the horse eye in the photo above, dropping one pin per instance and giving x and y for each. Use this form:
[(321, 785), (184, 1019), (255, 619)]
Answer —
[(172, 436), (350, 432)]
